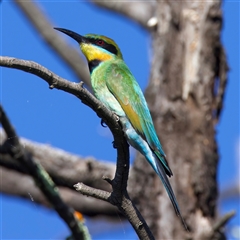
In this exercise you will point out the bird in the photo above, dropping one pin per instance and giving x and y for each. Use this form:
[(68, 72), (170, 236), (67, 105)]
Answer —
[(115, 86)]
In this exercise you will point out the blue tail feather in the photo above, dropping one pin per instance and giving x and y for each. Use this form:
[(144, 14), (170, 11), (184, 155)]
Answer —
[(162, 174), (135, 140)]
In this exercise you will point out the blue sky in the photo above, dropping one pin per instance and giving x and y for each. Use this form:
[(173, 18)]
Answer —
[(40, 114)]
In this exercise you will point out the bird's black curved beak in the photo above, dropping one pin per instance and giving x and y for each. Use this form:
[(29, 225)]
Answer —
[(75, 36)]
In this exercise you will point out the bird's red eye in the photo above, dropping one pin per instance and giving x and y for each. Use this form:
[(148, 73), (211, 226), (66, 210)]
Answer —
[(100, 42)]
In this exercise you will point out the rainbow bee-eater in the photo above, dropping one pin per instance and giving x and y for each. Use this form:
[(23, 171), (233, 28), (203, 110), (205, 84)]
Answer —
[(115, 86)]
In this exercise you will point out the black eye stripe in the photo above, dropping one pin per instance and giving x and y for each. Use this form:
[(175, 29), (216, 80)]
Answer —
[(109, 47)]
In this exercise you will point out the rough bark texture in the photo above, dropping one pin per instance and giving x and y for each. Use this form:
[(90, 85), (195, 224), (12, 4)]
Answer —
[(188, 59), (22, 185), (64, 168), (185, 93)]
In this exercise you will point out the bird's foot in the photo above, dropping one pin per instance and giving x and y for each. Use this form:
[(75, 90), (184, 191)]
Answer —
[(103, 123), (114, 145)]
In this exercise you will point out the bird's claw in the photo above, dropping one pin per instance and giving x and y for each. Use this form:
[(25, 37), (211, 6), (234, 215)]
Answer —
[(114, 145), (103, 123)]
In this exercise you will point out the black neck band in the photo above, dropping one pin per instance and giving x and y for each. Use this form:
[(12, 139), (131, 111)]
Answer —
[(92, 64)]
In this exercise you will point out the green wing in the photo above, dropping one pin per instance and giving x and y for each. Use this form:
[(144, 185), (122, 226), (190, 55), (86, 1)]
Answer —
[(128, 93)]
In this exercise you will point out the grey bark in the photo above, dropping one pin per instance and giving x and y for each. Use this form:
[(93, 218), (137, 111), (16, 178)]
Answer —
[(188, 63), (66, 169), (119, 196), (22, 185), (188, 59)]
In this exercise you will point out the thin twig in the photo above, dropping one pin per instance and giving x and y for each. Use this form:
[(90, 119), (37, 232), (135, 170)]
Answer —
[(92, 192), (218, 225)]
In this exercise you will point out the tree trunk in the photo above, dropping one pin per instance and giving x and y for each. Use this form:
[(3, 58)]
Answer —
[(185, 93), (188, 75)]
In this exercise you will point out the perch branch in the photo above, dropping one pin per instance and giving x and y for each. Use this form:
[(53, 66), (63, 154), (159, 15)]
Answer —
[(119, 197)]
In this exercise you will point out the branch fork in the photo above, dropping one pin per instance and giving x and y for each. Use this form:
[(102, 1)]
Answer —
[(119, 196)]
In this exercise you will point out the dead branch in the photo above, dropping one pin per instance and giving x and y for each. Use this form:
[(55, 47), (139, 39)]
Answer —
[(22, 185), (217, 227), (64, 168), (140, 12), (119, 197)]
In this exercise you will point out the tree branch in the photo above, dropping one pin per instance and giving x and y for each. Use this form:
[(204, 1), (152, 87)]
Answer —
[(64, 168), (230, 191), (45, 28), (140, 12), (22, 185), (119, 196), (92, 192), (43, 181), (218, 225)]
